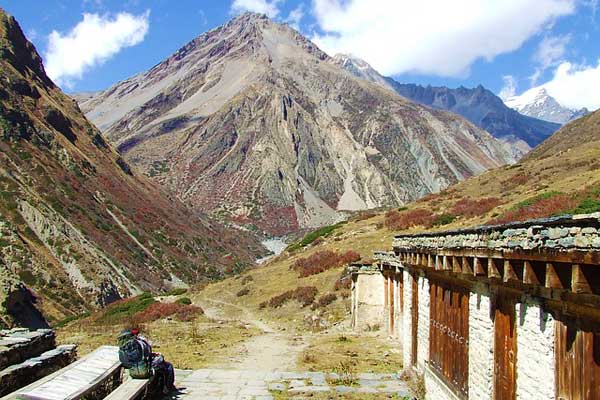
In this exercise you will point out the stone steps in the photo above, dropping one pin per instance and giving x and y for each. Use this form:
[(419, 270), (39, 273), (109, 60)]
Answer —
[(18, 345), (22, 374), (26, 356)]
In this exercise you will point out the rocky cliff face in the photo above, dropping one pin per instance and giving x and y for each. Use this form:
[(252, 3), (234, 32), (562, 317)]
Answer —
[(254, 123), (79, 227), (519, 133)]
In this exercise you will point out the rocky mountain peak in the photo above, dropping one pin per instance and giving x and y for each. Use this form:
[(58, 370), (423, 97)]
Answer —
[(256, 124)]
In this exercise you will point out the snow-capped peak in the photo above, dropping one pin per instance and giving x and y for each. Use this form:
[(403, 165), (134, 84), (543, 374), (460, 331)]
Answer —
[(538, 103)]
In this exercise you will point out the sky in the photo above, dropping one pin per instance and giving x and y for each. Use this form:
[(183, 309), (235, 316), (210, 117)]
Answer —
[(508, 46)]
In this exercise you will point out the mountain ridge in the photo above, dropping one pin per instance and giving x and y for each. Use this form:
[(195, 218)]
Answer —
[(520, 133)]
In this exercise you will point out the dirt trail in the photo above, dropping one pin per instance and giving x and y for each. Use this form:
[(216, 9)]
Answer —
[(270, 351)]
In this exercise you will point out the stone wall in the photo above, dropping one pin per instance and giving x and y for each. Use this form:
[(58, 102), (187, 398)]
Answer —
[(535, 353), (368, 301), (557, 233), (481, 347)]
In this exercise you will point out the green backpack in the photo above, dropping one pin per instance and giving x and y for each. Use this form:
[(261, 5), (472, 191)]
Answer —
[(135, 355)]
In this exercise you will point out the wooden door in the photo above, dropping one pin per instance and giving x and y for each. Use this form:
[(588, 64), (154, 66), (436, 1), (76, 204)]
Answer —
[(505, 350), (414, 318), (577, 363)]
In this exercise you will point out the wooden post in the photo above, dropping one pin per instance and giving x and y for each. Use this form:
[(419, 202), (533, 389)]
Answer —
[(430, 263)]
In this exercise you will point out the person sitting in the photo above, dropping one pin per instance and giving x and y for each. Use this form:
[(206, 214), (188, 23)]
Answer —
[(135, 354)]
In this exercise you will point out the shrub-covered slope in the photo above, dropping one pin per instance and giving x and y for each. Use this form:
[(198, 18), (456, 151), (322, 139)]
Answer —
[(79, 228)]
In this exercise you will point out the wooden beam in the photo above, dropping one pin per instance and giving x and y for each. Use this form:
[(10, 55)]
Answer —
[(466, 267), (493, 271), (456, 267), (529, 275), (479, 269), (552, 279), (579, 282), (509, 272)]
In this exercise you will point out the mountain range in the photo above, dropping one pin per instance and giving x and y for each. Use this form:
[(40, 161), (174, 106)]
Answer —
[(520, 133), (80, 227), (253, 123), (538, 103)]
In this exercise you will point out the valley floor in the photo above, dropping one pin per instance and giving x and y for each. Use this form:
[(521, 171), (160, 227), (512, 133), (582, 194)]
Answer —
[(232, 353)]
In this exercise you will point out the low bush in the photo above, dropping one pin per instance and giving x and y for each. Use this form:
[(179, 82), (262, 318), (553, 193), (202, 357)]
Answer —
[(176, 292), (541, 206), (322, 261), (247, 279), (243, 292), (443, 219), (474, 208), (125, 308), (184, 300), (305, 295), (326, 300), (311, 237), (343, 282), (156, 311), (395, 220)]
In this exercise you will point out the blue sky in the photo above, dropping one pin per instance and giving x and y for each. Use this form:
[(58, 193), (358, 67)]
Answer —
[(509, 45)]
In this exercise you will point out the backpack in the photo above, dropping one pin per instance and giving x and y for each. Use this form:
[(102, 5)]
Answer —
[(136, 356)]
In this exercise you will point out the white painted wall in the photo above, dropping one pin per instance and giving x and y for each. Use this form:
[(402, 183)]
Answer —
[(423, 326), (535, 353), (406, 321), (368, 301), (481, 348)]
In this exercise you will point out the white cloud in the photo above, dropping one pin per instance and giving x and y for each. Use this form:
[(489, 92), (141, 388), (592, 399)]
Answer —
[(295, 16), (90, 43), (550, 52), (575, 86), (270, 8), (510, 87), (431, 36), (551, 49)]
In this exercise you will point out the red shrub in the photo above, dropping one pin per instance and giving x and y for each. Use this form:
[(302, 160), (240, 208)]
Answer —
[(305, 295), (395, 220), (326, 300), (538, 208), (474, 208), (162, 310), (322, 261)]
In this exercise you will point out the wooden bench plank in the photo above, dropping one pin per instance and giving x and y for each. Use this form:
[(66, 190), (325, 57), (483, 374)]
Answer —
[(129, 390), (74, 381)]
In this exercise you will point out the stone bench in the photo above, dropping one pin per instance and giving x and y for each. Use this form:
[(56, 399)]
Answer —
[(18, 345), (99, 371)]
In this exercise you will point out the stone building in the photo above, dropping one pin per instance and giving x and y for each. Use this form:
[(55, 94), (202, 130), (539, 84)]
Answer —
[(495, 312)]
